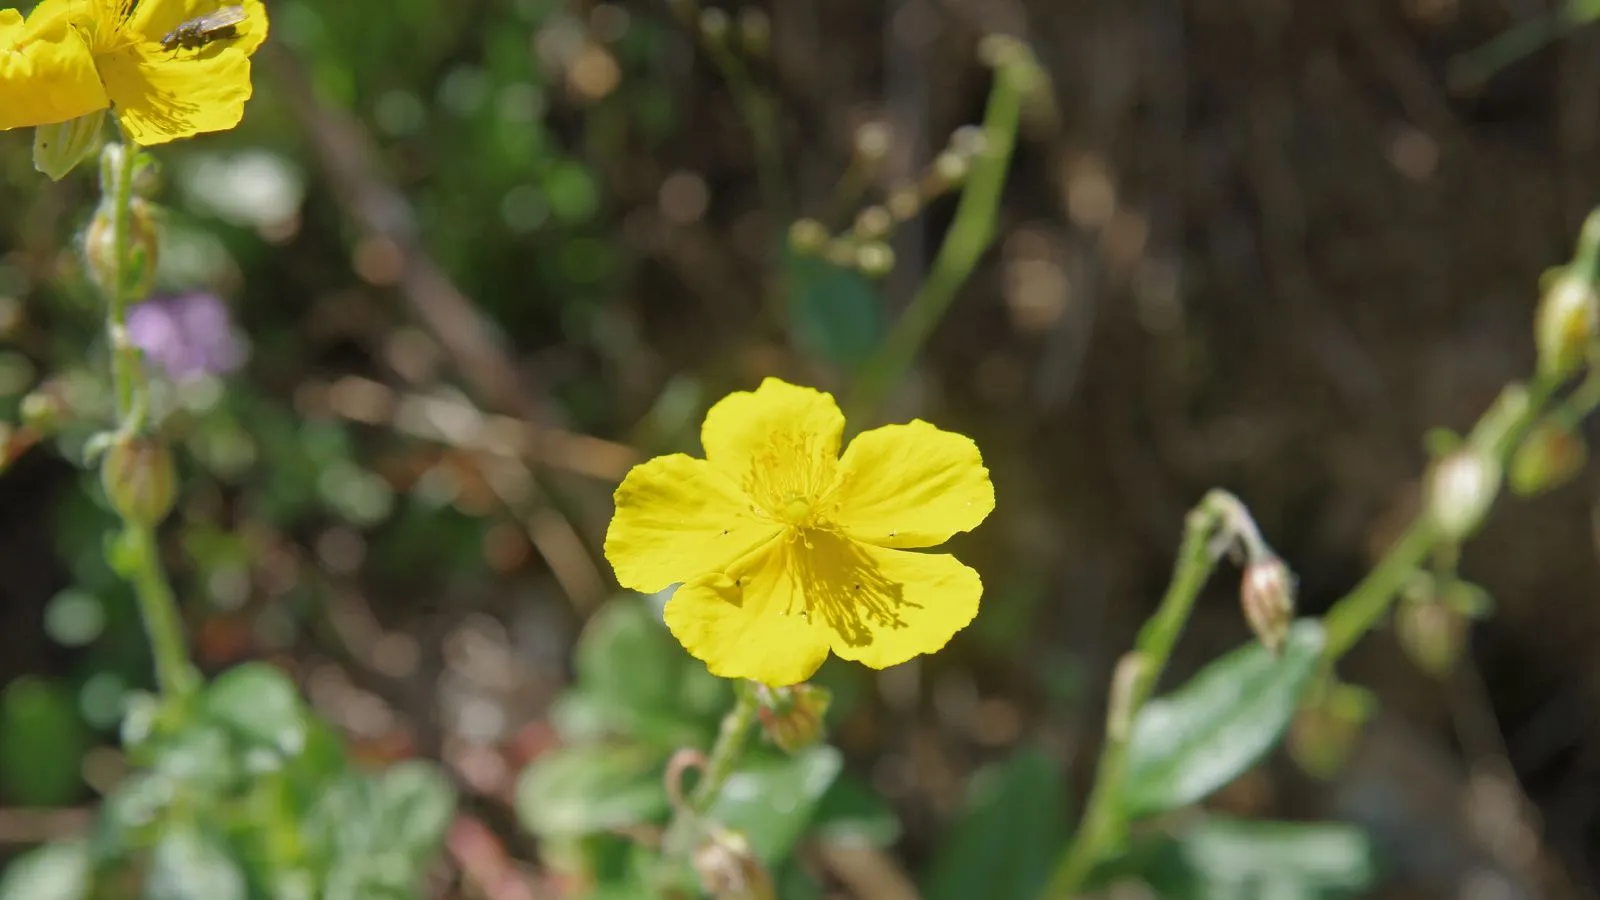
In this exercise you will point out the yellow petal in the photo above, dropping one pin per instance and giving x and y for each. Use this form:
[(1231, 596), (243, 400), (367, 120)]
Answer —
[(883, 606), (779, 442), (677, 518), (159, 96), (910, 485), (154, 19), (47, 73), (746, 622)]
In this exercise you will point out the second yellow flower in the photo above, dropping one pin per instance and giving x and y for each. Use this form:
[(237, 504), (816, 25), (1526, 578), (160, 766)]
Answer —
[(72, 58)]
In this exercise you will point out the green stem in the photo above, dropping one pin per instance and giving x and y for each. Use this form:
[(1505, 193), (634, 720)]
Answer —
[(1579, 404), (1358, 611), (726, 752), (1138, 674), (964, 244), (1476, 66), (158, 607), (124, 357), (140, 558)]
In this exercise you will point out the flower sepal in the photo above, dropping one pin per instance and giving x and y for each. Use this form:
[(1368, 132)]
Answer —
[(792, 717), (58, 148)]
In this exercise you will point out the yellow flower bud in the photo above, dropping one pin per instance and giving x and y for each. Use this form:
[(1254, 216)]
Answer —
[(875, 259), (713, 25), (44, 410), (138, 271), (872, 142), (140, 480), (1461, 488), (1566, 324), (729, 870), (950, 169), (873, 223), (1432, 634), (1267, 595), (792, 716), (1326, 727), (807, 236), (755, 31), (1547, 458)]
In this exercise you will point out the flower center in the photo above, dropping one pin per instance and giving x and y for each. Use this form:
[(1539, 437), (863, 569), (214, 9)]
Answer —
[(796, 510)]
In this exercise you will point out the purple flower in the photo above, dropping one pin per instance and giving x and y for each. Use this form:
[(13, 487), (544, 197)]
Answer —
[(187, 336)]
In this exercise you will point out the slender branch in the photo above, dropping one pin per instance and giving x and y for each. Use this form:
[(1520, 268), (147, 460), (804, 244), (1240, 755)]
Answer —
[(139, 559), (964, 244), (729, 748), (1570, 412), (124, 358), (686, 829), (158, 607), (1496, 435), (1136, 678)]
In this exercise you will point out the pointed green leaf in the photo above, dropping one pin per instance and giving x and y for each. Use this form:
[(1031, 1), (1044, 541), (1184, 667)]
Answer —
[(261, 705), (1206, 733), (1220, 858)]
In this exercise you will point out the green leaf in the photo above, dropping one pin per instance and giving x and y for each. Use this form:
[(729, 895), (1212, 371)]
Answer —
[(834, 314), (1221, 858), (770, 799), (621, 868), (1013, 829), (852, 813), (343, 822), (259, 704), (128, 816), (381, 876), (200, 756), (320, 764), (1203, 735), (635, 681), (42, 743), (573, 791), (416, 803), (51, 872), (187, 865), (795, 882)]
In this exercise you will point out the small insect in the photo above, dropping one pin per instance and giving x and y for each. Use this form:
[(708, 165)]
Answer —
[(199, 31)]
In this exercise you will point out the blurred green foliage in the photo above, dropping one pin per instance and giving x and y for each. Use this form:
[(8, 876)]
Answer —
[(242, 792)]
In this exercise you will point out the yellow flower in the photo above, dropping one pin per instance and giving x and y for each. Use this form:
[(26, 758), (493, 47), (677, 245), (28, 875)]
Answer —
[(71, 58), (785, 550)]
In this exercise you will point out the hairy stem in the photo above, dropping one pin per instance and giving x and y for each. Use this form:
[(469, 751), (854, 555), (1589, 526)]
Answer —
[(139, 558), (158, 607), (969, 236), (124, 357), (1497, 436), (729, 748), (1136, 678)]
